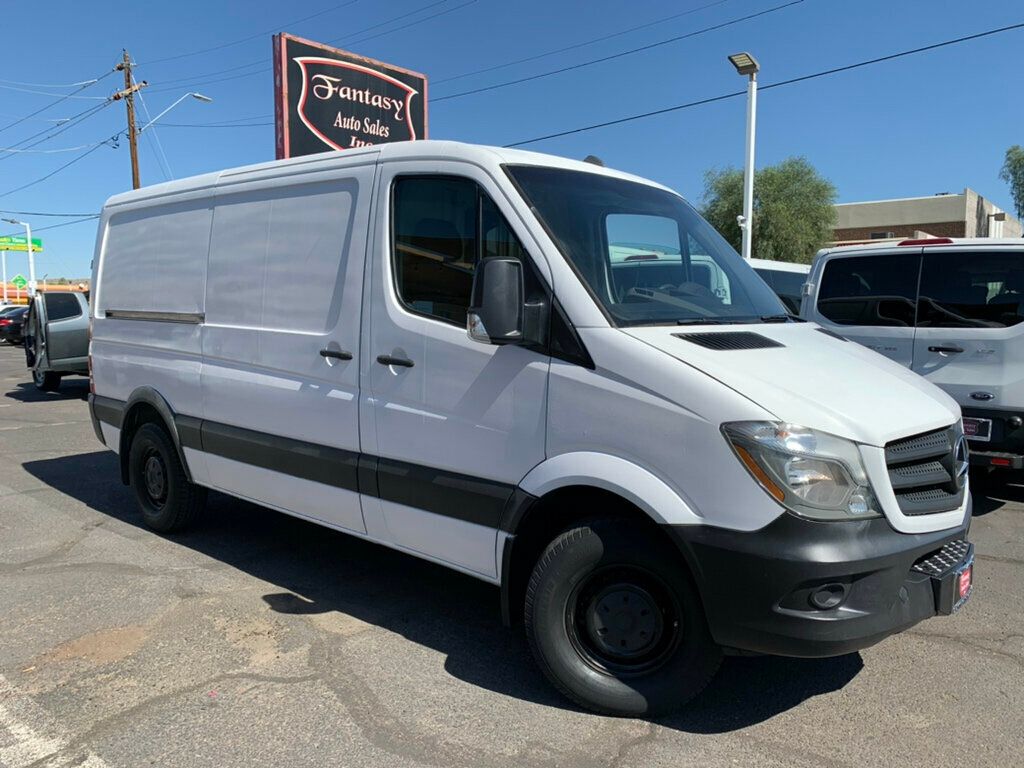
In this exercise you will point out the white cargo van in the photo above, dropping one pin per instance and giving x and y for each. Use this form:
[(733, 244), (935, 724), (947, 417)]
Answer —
[(948, 308), (448, 349)]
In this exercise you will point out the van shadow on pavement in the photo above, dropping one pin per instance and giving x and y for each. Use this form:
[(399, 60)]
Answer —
[(72, 388), (319, 570)]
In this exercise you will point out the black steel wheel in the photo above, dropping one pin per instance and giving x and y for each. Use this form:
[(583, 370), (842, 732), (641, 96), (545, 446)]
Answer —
[(615, 623), (166, 498)]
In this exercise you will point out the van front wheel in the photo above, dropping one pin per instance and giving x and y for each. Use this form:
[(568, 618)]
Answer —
[(167, 500), (615, 623)]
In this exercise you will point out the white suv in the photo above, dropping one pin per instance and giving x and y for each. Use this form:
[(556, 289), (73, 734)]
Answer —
[(949, 309)]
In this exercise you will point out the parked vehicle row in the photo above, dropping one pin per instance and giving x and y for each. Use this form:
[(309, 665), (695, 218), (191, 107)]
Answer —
[(548, 375), (56, 337), (12, 321), (948, 309)]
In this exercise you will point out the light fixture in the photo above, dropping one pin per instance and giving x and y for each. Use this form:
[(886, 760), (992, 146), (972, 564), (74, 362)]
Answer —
[(745, 63)]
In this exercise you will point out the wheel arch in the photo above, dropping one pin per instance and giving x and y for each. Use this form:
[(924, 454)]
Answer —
[(146, 405), (574, 487)]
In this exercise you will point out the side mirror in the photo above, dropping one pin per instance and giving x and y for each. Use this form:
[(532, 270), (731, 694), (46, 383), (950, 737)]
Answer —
[(496, 308)]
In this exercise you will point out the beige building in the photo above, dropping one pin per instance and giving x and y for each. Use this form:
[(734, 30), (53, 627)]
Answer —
[(967, 214)]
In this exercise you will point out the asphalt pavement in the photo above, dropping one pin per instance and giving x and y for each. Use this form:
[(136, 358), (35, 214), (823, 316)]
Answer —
[(259, 639)]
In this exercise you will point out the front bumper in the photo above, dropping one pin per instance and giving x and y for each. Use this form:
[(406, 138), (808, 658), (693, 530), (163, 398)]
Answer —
[(759, 587)]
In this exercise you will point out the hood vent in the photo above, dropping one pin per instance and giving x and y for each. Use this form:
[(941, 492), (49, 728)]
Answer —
[(726, 340), (833, 334)]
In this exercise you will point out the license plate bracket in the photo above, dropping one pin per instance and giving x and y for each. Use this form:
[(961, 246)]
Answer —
[(977, 429), (954, 588)]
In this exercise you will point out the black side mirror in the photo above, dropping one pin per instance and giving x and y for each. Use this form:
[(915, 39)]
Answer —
[(496, 309)]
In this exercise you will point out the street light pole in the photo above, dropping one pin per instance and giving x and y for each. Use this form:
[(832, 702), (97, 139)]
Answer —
[(196, 96), (31, 256), (5, 276), (747, 65)]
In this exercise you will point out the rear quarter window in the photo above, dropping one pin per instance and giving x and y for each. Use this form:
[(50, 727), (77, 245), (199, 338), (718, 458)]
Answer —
[(61, 306)]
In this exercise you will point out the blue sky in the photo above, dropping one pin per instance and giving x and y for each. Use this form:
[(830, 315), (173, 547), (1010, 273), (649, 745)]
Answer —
[(936, 122)]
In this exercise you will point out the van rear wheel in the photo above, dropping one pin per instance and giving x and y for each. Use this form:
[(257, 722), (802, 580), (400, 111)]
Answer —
[(615, 623), (167, 500)]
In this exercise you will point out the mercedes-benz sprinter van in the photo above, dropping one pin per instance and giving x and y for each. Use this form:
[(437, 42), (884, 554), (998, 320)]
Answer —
[(950, 309), (548, 375)]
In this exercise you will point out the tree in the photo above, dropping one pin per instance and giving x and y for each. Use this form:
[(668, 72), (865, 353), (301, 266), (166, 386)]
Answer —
[(793, 209), (1013, 174)]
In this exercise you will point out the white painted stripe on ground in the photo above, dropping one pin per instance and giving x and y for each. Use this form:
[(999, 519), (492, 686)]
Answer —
[(28, 734)]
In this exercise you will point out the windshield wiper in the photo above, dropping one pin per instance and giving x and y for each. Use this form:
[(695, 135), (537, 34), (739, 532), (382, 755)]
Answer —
[(705, 321), (786, 318)]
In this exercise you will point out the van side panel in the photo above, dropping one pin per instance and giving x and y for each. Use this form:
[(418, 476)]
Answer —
[(151, 265), (285, 283)]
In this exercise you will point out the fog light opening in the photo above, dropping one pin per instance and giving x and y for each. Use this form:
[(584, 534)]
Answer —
[(828, 596)]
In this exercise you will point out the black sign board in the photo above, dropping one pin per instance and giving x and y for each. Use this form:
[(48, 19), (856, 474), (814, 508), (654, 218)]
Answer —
[(327, 99)]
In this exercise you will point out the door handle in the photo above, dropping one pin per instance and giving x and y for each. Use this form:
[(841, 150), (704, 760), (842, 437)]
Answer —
[(338, 354), (948, 348), (399, 361)]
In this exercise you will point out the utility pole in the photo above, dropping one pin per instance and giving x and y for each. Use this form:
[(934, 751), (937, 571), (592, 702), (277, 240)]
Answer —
[(128, 94)]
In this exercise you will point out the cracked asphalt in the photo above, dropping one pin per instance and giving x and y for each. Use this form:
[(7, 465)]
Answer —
[(261, 639)]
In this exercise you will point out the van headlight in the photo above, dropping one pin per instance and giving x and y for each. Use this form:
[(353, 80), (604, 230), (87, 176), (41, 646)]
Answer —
[(812, 474)]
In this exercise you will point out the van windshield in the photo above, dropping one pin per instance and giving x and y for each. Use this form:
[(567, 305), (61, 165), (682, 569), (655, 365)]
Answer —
[(643, 252)]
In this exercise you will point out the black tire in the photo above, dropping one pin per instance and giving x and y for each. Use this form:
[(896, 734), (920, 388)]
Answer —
[(647, 658), (167, 500), (46, 381)]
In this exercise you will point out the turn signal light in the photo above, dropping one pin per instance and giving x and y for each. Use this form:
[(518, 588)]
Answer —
[(760, 474)]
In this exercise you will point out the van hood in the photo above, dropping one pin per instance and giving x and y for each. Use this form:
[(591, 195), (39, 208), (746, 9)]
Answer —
[(815, 379)]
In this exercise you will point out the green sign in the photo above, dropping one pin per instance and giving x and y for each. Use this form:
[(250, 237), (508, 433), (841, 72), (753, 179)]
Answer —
[(19, 282), (18, 243)]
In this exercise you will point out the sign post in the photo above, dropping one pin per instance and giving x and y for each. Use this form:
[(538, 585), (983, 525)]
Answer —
[(5, 275), (328, 99)]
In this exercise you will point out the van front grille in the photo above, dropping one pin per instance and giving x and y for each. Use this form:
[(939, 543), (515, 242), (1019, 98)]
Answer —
[(924, 471)]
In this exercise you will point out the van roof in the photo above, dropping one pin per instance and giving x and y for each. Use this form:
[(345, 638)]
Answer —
[(936, 247), (780, 266), (420, 150)]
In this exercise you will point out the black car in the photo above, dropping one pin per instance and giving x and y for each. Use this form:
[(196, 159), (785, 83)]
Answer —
[(12, 324)]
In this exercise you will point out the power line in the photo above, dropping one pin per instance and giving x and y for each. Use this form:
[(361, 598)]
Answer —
[(619, 55), (52, 151), (55, 215), (197, 80), (573, 47), (112, 140), (89, 217), (55, 103), (66, 125), (211, 125), (49, 85), (406, 26), (154, 140), (791, 81), (250, 37), (49, 93)]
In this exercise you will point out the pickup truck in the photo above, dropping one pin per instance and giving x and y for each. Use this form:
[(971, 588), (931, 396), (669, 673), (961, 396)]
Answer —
[(57, 338)]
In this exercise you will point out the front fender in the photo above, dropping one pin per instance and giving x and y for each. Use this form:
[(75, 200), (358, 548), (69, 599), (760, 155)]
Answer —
[(617, 475)]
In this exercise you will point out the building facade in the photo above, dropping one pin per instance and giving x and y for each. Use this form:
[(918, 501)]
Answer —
[(967, 214)]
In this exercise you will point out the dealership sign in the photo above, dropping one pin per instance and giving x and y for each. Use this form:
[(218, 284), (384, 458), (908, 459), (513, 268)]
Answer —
[(327, 99)]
